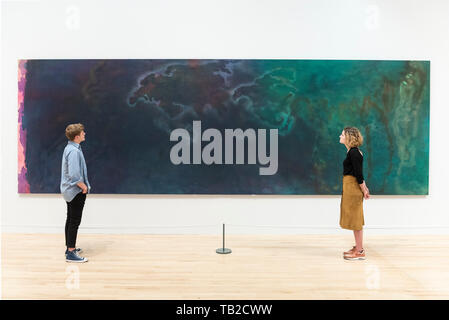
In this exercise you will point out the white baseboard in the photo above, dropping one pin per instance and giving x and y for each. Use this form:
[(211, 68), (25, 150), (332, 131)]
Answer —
[(230, 229)]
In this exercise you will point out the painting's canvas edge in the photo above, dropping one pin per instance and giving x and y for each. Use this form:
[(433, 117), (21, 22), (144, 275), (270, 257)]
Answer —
[(428, 132), (23, 185)]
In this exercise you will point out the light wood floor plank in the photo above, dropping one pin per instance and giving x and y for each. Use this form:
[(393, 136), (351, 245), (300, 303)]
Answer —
[(177, 267)]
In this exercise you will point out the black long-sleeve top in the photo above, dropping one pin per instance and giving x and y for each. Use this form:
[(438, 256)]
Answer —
[(353, 164)]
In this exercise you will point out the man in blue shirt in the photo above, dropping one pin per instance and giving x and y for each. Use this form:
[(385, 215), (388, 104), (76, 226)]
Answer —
[(74, 187)]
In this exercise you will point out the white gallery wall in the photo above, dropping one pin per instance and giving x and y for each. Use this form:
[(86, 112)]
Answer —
[(232, 29)]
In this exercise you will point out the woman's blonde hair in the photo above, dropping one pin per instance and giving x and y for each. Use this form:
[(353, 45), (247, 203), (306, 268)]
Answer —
[(73, 130), (353, 137)]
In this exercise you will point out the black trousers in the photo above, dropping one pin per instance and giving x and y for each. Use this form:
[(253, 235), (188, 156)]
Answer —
[(74, 213)]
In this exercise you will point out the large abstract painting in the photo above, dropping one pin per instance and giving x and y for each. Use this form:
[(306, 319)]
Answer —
[(225, 126)]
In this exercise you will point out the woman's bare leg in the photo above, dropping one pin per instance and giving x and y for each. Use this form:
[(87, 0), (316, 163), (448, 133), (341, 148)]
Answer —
[(358, 235)]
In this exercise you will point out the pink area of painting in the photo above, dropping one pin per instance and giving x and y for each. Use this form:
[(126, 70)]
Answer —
[(24, 186)]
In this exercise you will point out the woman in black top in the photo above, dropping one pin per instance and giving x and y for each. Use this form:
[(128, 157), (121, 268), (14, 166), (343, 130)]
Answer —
[(354, 191)]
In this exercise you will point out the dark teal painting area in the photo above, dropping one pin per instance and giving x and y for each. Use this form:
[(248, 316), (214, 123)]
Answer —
[(130, 107)]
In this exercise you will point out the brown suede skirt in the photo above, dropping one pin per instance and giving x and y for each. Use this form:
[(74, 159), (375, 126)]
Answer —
[(351, 205)]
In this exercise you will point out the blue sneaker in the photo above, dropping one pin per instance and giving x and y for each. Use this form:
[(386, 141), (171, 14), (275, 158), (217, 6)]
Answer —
[(79, 250), (72, 256)]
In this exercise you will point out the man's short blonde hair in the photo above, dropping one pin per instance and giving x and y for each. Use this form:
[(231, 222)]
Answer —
[(353, 137), (73, 130)]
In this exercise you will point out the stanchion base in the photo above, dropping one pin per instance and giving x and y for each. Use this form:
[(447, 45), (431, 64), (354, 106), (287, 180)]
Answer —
[(223, 250)]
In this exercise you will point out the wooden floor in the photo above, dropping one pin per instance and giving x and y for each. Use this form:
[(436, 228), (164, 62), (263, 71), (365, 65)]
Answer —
[(177, 267)]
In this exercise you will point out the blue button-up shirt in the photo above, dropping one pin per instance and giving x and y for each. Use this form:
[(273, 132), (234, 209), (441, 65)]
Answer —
[(73, 171)]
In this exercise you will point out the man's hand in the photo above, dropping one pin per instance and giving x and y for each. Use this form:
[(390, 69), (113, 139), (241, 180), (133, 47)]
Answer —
[(83, 186)]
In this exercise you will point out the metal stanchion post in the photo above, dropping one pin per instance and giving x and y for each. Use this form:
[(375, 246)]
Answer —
[(223, 250)]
